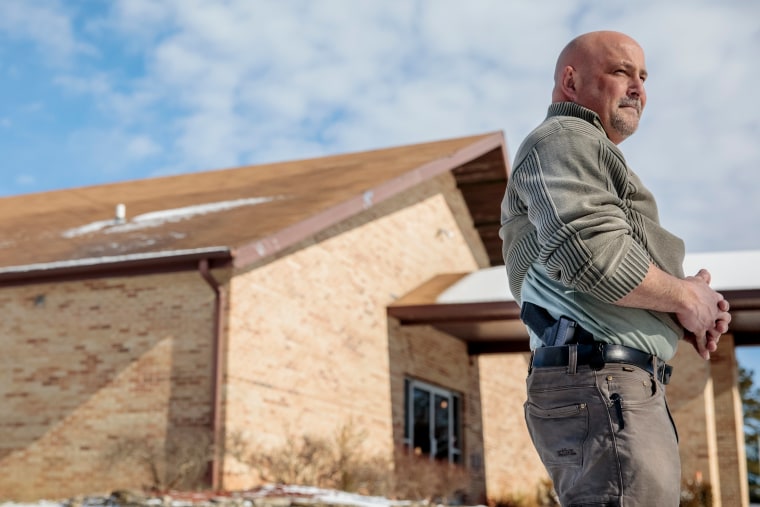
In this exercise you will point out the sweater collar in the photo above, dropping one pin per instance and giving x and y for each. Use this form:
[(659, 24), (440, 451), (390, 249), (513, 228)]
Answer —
[(576, 110)]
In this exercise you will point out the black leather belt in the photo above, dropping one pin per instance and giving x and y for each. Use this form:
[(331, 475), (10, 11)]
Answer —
[(597, 354)]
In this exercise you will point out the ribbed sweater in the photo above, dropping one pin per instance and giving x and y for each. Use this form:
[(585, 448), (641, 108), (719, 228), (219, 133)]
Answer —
[(573, 204)]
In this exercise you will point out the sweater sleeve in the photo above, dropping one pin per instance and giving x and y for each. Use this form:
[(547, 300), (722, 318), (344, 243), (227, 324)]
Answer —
[(574, 188)]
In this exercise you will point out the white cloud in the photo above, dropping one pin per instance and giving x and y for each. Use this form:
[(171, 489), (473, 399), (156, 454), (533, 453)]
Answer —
[(25, 179), (136, 17), (218, 84), (111, 150), (46, 25), (140, 147)]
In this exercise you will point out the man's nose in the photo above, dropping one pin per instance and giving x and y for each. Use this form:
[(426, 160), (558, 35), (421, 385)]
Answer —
[(636, 88)]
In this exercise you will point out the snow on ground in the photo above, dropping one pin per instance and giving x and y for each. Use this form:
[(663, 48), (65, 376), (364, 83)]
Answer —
[(41, 503), (185, 499)]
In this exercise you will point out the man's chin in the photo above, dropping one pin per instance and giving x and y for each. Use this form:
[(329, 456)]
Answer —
[(625, 126)]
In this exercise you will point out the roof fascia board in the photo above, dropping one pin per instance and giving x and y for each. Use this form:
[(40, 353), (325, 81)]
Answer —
[(454, 312), (433, 313), (250, 253), (115, 265)]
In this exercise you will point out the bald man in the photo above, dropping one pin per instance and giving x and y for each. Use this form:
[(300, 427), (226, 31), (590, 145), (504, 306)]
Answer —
[(601, 287)]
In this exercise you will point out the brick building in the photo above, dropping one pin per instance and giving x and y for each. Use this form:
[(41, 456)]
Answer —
[(258, 303)]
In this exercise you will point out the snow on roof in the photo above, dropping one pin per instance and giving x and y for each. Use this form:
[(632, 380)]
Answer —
[(158, 218), (113, 259), (730, 271), (489, 284)]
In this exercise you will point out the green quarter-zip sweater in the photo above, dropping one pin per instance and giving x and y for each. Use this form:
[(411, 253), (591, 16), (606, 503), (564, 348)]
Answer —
[(580, 230)]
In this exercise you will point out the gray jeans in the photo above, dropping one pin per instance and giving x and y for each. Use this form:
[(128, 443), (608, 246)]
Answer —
[(606, 437)]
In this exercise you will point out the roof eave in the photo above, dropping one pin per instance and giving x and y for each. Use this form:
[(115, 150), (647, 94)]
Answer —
[(117, 265), (495, 326)]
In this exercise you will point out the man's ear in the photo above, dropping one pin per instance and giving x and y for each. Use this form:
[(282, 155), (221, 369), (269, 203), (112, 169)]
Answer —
[(569, 83)]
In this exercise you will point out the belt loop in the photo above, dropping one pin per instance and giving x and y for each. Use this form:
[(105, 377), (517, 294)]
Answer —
[(572, 359), (655, 367)]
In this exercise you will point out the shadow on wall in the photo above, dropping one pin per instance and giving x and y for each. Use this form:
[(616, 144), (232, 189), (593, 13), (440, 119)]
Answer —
[(93, 363)]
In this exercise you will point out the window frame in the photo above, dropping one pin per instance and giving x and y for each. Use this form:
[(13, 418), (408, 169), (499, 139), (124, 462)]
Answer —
[(454, 423)]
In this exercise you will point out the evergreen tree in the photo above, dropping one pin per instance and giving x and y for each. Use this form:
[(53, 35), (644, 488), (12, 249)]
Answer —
[(750, 396)]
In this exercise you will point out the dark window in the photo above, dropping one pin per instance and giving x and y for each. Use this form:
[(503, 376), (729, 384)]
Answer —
[(432, 421)]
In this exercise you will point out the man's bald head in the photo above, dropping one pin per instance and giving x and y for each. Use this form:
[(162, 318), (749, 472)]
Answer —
[(604, 71)]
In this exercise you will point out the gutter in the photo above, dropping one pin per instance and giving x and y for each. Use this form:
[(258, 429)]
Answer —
[(217, 376), (114, 265)]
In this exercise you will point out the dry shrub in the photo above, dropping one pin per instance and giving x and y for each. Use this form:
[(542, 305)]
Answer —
[(341, 462), (544, 497), (417, 477), (337, 462), (179, 462), (511, 500), (696, 493)]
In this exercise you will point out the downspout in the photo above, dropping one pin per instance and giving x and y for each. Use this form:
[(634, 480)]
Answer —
[(216, 376)]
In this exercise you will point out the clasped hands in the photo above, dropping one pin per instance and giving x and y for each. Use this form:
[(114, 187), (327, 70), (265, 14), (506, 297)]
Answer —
[(708, 318)]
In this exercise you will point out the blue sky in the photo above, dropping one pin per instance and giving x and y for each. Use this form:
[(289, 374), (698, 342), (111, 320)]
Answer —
[(99, 92)]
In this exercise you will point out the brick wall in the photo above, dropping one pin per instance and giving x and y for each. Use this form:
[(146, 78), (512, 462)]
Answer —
[(308, 332), (729, 424), (89, 365), (513, 466), (689, 396), (422, 353), (705, 403)]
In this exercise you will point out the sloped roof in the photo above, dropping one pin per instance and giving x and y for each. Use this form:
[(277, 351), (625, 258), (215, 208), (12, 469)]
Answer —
[(237, 215)]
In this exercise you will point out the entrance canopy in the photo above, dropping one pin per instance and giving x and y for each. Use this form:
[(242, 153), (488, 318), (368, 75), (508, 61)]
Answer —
[(479, 309)]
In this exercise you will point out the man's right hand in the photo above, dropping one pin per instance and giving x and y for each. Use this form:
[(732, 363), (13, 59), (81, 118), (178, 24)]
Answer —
[(701, 311), (705, 316)]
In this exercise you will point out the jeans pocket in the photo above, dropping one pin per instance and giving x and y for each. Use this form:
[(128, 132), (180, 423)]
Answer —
[(558, 433)]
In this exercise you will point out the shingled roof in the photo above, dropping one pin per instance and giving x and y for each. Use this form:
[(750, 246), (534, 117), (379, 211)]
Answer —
[(235, 216)]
